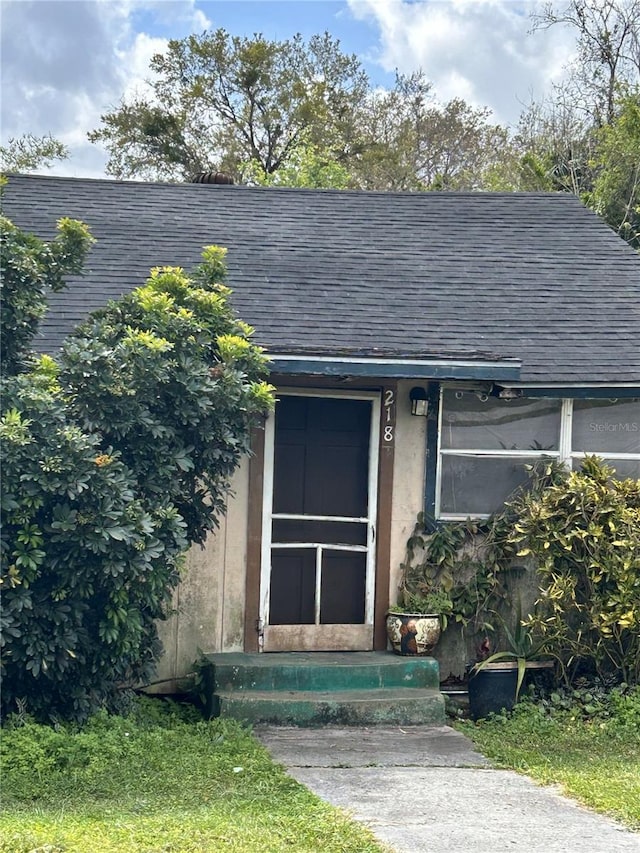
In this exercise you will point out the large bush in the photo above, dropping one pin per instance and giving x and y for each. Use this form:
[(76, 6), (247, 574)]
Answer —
[(86, 564), (170, 379), (584, 533), (113, 466)]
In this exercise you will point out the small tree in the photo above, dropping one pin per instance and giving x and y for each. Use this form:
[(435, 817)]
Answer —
[(170, 379), (219, 101), (86, 565), (616, 191), (113, 467)]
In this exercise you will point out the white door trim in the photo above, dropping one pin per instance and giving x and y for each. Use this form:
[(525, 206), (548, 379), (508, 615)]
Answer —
[(372, 503)]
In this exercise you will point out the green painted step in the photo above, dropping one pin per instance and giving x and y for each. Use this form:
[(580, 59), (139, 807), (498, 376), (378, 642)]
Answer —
[(321, 671), (321, 688), (399, 706)]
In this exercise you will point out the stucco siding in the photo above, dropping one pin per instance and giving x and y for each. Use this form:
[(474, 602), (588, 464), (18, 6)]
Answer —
[(208, 606), (408, 481)]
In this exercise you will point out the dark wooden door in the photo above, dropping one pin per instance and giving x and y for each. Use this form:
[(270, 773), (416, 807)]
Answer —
[(321, 525)]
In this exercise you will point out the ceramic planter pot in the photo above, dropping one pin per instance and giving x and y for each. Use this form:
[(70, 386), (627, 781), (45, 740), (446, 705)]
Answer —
[(413, 633)]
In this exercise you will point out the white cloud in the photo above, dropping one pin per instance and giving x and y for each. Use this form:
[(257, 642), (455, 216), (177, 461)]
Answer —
[(480, 50), (136, 58), (73, 61)]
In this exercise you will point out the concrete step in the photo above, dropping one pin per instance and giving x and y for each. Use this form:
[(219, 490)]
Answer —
[(382, 706), (320, 671)]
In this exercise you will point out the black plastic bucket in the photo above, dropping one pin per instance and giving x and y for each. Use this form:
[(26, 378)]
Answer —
[(492, 690)]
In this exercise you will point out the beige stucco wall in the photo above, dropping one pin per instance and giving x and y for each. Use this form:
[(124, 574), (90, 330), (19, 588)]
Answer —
[(408, 498), (408, 480), (208, 606), (455, 647)]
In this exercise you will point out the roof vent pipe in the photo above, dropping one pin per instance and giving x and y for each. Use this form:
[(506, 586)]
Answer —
[(211, 178)]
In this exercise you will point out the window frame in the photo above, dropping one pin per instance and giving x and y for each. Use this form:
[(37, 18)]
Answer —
[(564, 454)]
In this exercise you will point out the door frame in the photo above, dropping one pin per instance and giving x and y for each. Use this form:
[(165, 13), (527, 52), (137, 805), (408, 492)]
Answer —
[(388, 388), (366, 633)]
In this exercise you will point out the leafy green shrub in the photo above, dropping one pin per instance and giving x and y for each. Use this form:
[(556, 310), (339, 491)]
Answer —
[(170, 379), (625, 708), (29, 268), (112, 469), (592, 700), (471, 562), (87, 565), (454, 561), (581, 530), (584, 533)]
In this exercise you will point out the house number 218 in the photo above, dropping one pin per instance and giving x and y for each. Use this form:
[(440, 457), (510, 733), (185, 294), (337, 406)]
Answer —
[(388, 416)]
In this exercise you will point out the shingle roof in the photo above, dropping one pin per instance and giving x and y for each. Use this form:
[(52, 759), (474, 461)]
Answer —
[(532, 276)]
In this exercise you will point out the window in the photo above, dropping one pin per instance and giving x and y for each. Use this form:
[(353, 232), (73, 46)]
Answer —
[(611, 429), (486, 442)]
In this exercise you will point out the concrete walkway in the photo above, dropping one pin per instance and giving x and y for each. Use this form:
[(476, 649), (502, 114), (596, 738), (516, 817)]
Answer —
[(424, 790)]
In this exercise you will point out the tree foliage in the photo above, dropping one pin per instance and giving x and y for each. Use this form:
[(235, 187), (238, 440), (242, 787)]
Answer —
[(608, 50), (86, 567), (616, 187), (408, 141), (27, 153), (309, 166), (297, 114), (170, 379), (583, 138), (556, 146), (220, 101), (113, 465)]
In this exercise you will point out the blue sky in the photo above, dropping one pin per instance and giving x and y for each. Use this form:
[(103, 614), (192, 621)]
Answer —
[(66, 62), (280, 20), (275, 19)]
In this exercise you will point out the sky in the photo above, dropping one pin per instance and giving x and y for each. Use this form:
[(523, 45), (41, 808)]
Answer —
[(64, 63)]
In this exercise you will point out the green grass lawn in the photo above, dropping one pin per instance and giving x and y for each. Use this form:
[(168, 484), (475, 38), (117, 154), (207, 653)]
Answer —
[(596, 761), (159, 781)]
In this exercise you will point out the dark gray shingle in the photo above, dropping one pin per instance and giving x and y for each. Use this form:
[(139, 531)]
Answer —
[(533, 276)]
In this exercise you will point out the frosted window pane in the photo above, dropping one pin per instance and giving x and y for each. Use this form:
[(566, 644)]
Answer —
[(473, 486), (624, 468), (606, 427), (524, 424)]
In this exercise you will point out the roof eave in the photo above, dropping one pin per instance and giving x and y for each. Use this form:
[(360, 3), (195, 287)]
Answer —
[(506, 370)]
